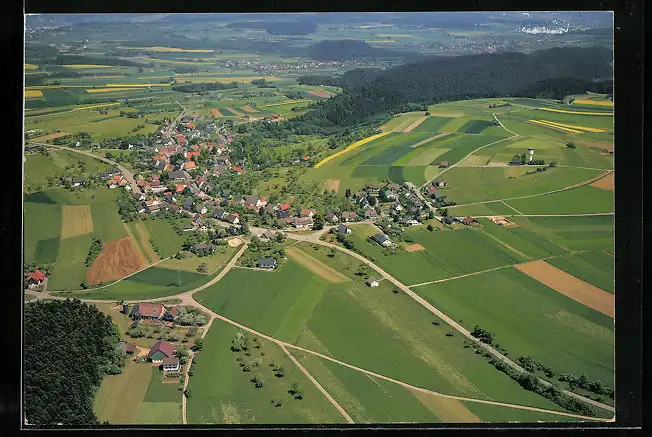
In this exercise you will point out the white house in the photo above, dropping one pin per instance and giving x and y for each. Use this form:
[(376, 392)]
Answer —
[(171, 364), (372, 283)]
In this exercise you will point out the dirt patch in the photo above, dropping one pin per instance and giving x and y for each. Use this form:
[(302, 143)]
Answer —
[(497, 164), (414, 124), (250, 109), (319, 93), (141, 351), (447, 410), (234, 242), (117, 259), (502, 221), (216, 112), (570, 286), (51, 136), (606, 183), (414, 247), (427, 140), (314, 265), (76, 220), (235, 112), (333, 184)]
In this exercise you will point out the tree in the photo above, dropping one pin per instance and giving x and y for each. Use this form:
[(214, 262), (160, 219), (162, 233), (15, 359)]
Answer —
[(347, 193), (571, 145), (430, 228), (202, 268), (318, 223), (332, 252)]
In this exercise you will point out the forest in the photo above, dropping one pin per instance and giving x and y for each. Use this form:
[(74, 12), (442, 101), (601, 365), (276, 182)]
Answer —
[(69, 346)]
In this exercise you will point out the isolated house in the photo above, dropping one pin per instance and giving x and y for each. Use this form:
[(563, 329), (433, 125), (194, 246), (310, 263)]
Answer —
[(372, 282), (343, 229), (148, 311), (160, 351), (441, 183), (267, 263), (443, 164), (35, 279), (469, 221), (382, 239)]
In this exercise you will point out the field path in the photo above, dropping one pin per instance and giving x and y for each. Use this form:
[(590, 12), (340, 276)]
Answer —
[(318, 385)]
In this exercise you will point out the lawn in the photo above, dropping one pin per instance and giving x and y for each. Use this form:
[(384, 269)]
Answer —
[(468, 184), (189, 264), (222, 393), (474, 251), (595, 267), (160, 413), (164, 236), (432, 124), (582, 200), (530, 319), (166, 277), (531, 244), (107, 223), (573, 233), (70, 269), (480, 209), (463, 145), (82, 196), (42, 222), (120, 396), (157, 391)]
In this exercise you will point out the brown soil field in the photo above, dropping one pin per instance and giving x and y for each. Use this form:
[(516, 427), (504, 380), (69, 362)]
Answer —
[(416, 123), (414, 247), (333, 184), (447, 410), (143, 242), (570, 286), (319, 93), (234, 242), (51, 136), (498, 218), (314, 265), (250, 109), (76, 220), (216, 112), (579, 184), (117, 259), (606, 183), (427, 140), (235, 111)]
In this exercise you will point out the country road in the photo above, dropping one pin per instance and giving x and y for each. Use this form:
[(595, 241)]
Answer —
[(443, 316)]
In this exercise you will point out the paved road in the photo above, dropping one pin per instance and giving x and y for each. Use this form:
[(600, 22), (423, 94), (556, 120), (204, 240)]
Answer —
[(444, 317), (126, 173)]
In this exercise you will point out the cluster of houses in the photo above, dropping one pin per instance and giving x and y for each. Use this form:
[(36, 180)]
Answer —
[(161, 353), (432, 191)]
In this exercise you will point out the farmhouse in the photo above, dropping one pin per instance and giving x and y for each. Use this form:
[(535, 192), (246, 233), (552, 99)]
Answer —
[(372, 282), (148, 311), (342, 229), (469, 221), (382, 239), (267, 263), (160, 351), (349, 216), (77, 181), (370, 214), (171, 364), (303, 222), (35, 279)]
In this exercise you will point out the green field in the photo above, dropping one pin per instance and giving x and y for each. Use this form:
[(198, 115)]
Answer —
[(480, 209), (70, 270), (42, 223), (529, 243), (222, 393), (160, 413), (120, 396), (164, 237), (39, 167), (573, 233), (432, 124), (530, 319), (594, 267), (468, 184), (475, 126), (582, 200), (107, 223), (166, 277), (474, 251)]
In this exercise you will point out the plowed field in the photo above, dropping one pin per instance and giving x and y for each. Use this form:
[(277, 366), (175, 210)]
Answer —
[(117, 259)]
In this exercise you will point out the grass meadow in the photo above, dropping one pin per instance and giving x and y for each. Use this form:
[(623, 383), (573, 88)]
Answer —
[(595, 267)]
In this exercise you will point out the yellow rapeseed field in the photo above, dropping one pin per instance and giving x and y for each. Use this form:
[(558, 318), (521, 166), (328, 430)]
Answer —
[(570, 126), (168, 49), (351, 147), (576, 112), (31, 67), (136, 85), (108, 90), (287, 102), (94, 106), (595, 102), (30, 94), (86, 66), (548, 124)]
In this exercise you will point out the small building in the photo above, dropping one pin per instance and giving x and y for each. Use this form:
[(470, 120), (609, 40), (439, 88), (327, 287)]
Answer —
[(342, 229), (382, 239), (267, 263), (372, 282), (349, 216), (449, 220), (171, 364), (160, 351), (331, 217), (189, 203), (284, 206), (125, 308), (441, 183), (35, 279), (177, 175), (470, 221), (171, 314), (77, 181), (267, 236), (303, 222), (231, 218), (218, 214), (130, 348), (372, 189), (148, 311), (370, 214), (306, 212), (443, 164)]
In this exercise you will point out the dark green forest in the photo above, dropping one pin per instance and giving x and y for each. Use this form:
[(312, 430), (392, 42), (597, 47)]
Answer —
[(69, 346)]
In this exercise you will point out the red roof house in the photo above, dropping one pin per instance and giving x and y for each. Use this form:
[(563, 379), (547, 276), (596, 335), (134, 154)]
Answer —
[(160, 351), (284, 206)]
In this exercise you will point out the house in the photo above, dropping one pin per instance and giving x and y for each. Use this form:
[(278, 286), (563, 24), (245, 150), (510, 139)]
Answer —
[(35, 279), (189, 165), (180, 187), (282, 214), (303, 222), (470, 221), (267, 236), (349, 216), (308, 212), (431, 191), (449, 220), (443, 164), (189, 203), (171, 314), (393, 187), (370, 214), (160, 351), (255, 202), (411, 222), (177, 175), (372, 189), (231, 218), (331, 217), (372, 282), (284, 206), (441, 183), (149, 311), (342, 229), (77, 181), (203, 209), (397, 207), (390, 195), (382, 239), (218, 214), (267, 263), (129, 348), (269, 208), (190, 155), (171, 364)]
